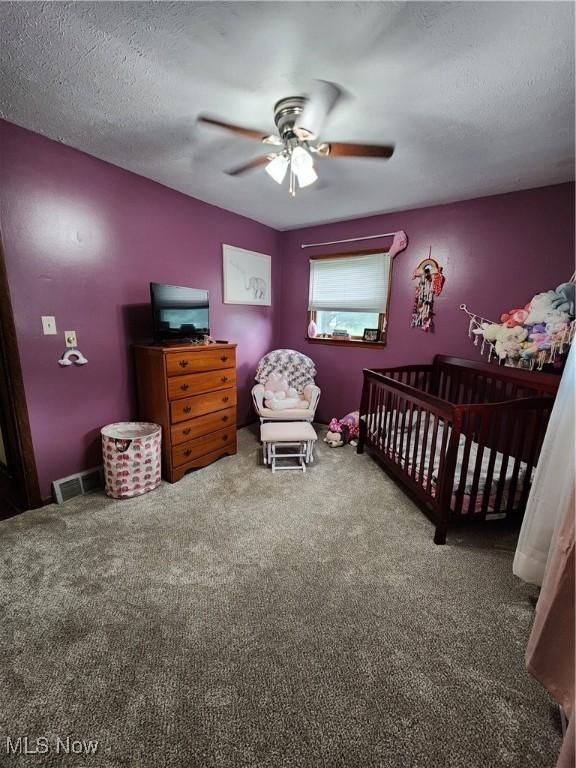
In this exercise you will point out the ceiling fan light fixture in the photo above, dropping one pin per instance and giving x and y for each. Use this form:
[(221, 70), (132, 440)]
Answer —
[(306, 176), (301, 159), (277, 168)]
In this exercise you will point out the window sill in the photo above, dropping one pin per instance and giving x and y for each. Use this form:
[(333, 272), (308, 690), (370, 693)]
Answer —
[(347, 342)]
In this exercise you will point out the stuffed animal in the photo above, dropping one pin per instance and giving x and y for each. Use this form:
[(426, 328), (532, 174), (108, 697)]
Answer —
[(507, 341), (529, 349), (545, 308), (276, 383), (342, 431), (515, 317), (540, 340), (278, 396), (536, 328), (335, 439), (567, 292), (489, 331)]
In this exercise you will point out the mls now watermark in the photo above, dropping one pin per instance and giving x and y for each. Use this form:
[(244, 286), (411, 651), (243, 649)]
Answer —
[(43, 745)]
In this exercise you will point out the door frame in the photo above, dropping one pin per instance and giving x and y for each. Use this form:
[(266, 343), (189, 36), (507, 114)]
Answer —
[(22, 479)]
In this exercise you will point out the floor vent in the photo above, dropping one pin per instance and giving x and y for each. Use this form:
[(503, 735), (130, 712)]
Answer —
[(77, 485)]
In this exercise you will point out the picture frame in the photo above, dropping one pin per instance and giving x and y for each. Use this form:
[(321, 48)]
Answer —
[(247, 276), (371, 334)]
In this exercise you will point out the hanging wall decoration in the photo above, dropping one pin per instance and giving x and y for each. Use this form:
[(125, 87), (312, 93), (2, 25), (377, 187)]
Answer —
[(430, 283)]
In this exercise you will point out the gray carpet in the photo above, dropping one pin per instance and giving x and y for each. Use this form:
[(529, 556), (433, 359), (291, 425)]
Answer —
[(240, 618)]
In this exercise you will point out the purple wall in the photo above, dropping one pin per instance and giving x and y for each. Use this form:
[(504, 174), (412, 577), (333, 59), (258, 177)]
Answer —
[(496, 253), (82, 240)]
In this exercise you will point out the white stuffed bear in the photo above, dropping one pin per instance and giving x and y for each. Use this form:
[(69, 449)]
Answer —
[(507, 341), (278, 396), (544, 309)]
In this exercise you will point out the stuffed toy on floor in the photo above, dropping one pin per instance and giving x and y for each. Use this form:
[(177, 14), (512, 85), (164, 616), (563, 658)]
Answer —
[(342, 431)]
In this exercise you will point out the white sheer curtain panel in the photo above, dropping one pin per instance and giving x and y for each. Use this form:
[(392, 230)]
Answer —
[(552, 489)]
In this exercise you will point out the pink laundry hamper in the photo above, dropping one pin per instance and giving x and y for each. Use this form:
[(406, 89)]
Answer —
[(132, 458)]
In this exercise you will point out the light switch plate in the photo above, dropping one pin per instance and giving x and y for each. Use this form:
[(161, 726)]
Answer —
[(48, 325), (70, 337)]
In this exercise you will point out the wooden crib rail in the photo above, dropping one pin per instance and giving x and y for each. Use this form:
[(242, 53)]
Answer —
[(408, 430), (418, 376), (506, 438), (470, 381), (399, 383)]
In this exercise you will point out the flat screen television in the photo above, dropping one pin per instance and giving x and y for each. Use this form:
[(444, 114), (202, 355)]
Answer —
[(179, 313)]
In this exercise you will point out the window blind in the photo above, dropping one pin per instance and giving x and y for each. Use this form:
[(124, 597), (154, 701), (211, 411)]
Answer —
[(350, 283)]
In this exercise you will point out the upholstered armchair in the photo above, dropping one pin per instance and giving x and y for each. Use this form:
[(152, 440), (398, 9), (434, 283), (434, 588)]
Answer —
[(299, 371)]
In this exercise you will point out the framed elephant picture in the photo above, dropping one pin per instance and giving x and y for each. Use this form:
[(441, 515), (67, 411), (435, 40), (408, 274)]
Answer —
[(247, 276)]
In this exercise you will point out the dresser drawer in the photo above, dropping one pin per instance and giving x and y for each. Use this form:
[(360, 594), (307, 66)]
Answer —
[(202, 445), (178, 363), (196, 383), (190, 407), (203, 425)]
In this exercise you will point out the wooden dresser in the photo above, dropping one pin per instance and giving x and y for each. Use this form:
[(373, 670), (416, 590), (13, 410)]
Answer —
[(191, 391)]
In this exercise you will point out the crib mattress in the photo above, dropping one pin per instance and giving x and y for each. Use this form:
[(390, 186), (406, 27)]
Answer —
[(409, 456)]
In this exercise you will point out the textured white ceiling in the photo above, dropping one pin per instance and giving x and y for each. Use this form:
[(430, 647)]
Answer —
[(479, 97)]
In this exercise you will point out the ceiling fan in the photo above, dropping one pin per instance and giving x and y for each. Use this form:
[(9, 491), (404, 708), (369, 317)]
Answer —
[(299, 121)]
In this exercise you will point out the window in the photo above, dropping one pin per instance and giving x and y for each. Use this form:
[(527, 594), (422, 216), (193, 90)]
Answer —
[(349, 292)]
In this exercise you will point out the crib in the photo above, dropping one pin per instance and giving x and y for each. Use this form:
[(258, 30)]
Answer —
[(462, 437)]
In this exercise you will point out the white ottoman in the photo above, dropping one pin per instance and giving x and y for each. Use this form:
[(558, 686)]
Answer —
[(288, 434)]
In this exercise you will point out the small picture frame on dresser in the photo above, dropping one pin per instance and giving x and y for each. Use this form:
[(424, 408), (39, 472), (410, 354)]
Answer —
[(371, 334)]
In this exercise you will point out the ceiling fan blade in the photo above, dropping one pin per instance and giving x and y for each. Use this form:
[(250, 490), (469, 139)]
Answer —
[(340, 149), (250, 133), (319, 104), (250, 165)]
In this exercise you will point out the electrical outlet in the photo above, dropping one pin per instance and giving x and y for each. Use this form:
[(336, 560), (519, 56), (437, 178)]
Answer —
[(48, 325), (70, 337)]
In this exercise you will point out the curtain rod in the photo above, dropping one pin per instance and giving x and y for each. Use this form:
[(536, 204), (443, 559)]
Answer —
[(349, 240)]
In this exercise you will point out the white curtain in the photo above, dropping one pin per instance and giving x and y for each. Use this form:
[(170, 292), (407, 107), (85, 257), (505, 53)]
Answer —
[(552, 489)]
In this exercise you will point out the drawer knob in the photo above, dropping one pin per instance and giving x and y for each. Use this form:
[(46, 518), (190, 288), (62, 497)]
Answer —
[(224, 358), (188, 451), (224, 418), (183, 363), (225, 399), (223, 379), (186, 431), (184, 387), (187, 408), (224, 437)]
